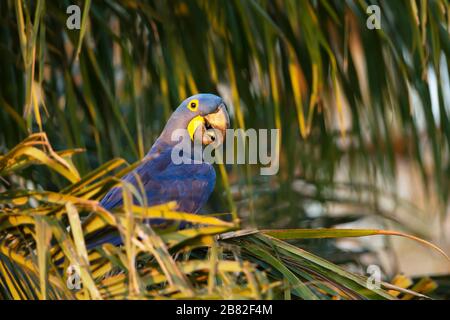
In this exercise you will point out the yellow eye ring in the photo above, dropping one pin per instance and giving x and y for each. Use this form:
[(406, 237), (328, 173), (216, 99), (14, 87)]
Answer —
[(193, 105)]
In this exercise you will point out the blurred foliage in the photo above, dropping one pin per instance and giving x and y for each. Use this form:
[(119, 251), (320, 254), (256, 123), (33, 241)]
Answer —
[(350, 102)]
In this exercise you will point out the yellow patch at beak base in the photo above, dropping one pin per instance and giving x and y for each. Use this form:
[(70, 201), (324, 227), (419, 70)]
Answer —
[(193, 125)]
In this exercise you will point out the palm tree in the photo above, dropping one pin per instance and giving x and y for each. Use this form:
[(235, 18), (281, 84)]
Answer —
[(353, 105)]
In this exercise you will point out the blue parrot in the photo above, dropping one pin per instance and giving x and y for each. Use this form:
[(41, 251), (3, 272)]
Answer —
[(188, 184)]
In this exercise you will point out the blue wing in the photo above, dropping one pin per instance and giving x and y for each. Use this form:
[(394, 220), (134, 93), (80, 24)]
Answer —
[(190, 185)]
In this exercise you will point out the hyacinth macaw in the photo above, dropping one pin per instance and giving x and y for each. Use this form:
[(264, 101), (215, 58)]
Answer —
[(189, 185)]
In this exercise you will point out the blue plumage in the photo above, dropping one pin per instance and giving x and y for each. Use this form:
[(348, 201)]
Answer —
[(189, 184)]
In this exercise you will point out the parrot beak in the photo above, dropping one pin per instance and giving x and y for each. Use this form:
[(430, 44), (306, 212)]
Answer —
[(215, 125)]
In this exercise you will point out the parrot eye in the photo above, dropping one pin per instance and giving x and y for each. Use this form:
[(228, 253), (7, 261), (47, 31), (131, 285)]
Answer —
[(192, 105)]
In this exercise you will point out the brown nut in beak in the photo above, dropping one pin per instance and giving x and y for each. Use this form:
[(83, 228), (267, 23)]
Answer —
[(216, 125)]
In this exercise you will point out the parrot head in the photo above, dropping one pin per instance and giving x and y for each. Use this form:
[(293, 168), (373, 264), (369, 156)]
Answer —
[(204, 116)]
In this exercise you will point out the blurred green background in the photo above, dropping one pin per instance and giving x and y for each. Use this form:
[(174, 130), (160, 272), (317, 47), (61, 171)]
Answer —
[(364, 114)]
